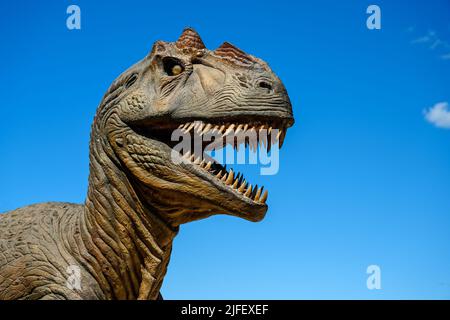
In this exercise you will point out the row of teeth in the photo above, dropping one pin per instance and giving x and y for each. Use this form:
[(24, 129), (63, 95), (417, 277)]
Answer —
[(235, 182), (238, 130)]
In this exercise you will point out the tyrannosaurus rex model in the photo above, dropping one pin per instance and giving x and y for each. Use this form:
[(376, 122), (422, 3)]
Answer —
[(121, 238)]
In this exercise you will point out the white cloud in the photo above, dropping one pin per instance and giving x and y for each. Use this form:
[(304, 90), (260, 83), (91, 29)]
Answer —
[(434, 42), (424, 39), (439, 115), (431, 36)]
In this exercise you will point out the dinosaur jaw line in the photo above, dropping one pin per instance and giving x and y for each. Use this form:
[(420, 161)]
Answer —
[(207, 168)]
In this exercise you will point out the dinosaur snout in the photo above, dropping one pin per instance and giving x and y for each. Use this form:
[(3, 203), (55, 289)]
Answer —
[(264, 85)]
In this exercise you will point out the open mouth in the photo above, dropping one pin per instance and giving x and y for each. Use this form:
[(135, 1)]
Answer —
[(263, 133)]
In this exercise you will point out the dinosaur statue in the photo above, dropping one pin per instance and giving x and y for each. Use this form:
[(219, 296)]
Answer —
[(121, 238)]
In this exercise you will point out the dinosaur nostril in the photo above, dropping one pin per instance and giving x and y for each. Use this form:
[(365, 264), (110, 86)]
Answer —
[(265, 85)]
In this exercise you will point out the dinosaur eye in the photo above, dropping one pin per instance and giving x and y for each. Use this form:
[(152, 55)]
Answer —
[(176, 69), (172, 66)]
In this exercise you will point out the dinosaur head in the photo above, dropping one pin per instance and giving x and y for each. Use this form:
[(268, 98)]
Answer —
[(184, 86)]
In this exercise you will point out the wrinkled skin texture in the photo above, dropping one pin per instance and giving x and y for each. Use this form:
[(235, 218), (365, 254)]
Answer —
[(121, 238)]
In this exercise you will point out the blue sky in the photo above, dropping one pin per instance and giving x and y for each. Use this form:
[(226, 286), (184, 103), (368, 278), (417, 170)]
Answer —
[(364, 178)]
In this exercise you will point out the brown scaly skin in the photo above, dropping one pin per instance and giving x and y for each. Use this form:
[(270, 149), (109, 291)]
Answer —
[(122, 237)]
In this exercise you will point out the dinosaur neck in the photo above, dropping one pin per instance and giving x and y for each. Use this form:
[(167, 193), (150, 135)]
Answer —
[(130, 244)]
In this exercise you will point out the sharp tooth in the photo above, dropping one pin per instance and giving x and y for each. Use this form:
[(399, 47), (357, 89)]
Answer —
[(252, 131), (216, 128), (230, 128), (200, 127), (202, 164), (189, 128), (219, 175), (246, 127), (258, 194), (249, 191), (208, 165), (242, 187), (187, 155), (255, 189), (224, 178), (235, 184), (269, 139), (279, 134), (181, 126), (239, 128), (282, 138), (192, 158), (207, 128), (197, 161), (264, 197), (221, 128), (230, 177)]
